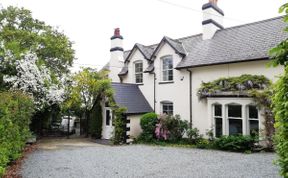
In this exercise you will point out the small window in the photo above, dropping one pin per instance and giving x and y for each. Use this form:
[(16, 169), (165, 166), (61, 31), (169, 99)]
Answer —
[(167, 108), (218, 120), (108, 117), (253, 120), (139, 72), (235, 119), (167, 68)]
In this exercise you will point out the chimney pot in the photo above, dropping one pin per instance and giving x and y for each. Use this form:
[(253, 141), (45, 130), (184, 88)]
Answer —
[(117, 32), (213, 1)]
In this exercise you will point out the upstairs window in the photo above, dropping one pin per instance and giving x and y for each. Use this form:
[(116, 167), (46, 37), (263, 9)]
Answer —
[(139, 72), (167, 68), (167, 108)]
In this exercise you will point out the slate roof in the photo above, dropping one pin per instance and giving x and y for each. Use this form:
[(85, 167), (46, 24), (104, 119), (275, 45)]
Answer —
[(130, 97), (235, 44)]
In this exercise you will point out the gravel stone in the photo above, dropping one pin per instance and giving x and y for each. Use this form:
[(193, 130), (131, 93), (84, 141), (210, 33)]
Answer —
[(146, 161)]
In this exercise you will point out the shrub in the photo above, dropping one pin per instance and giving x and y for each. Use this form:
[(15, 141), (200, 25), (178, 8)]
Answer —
[(194, 135), (119, 126), (148, 124), (171, 127), (235, 143), (95, 120), (15, 113)]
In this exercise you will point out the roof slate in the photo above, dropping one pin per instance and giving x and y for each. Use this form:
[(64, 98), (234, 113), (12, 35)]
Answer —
[(130, 97), (235, 44)]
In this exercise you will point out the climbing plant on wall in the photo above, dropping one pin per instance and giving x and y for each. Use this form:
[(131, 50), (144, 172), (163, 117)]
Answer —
[(256, 86)]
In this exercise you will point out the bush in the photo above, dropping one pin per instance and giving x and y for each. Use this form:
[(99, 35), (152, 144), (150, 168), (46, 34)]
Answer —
[(235, 143), (15, 114), (119, 127), (171, 128), (194, 135), (148, 124), (95, 120)]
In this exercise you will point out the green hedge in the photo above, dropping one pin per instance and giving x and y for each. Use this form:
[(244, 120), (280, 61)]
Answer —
[(15, 114), (237, 143)]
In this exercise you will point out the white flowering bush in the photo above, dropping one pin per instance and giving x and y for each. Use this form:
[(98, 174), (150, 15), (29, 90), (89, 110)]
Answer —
[(36, 81)]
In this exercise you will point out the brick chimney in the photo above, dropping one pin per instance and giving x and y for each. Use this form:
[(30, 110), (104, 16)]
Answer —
[(116, 55), (212, 19)]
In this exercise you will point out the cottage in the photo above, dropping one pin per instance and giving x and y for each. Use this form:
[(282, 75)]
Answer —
[(166, 77)]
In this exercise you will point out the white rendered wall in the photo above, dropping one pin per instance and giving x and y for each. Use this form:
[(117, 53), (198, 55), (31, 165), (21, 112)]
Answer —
[(115, 65), (210, 73), (176, 92), (148, 85), (135, 128)]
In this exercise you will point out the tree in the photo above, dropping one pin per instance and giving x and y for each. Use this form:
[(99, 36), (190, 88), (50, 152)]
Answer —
[(88, 87), (22, 34), (279, 54)]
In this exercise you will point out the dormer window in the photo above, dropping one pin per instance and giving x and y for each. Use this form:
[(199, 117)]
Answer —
[(138, 72), (167, 68)]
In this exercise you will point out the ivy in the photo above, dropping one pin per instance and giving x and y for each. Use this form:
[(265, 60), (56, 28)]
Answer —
[(119, 123)]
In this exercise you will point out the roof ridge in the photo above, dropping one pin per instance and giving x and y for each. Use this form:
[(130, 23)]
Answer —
[(253, 23)]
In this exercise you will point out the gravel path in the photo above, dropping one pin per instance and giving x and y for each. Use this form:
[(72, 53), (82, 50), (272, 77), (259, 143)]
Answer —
[(93, 160)]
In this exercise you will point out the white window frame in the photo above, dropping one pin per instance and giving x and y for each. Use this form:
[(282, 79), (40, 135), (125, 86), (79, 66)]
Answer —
[(218, 117), (252, 119), (235, 118), (140, 73), (166, 79), (169, 103)]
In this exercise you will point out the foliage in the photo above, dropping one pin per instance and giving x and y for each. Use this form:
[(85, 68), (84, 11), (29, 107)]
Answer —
[(148, 124), (194, 135), (21, 33), (16, 110), (119, 123), (279, 56), (233, 84), (237, 143), (171, 127), (96, 121), (36, 81), (88, 86)]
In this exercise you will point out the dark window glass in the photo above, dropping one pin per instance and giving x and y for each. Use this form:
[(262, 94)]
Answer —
[(108, 117), (218, 110), (218, 127), (254, 127), (253, 112), (235, 111), (167, 108), (235, 126)]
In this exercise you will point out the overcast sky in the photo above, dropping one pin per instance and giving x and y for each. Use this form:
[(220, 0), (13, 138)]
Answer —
[(90, 23)]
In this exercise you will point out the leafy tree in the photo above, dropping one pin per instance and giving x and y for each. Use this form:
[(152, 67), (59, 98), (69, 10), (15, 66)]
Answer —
[(279, 54), (88, 86), (21, 34)]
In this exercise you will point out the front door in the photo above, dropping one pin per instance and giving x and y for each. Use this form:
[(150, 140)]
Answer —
[(108, 127)]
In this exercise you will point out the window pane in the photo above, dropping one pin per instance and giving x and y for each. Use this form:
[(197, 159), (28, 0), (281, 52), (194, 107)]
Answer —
[(254, 127), (218, 127), (218, 110), (167, 108), (253, 112), (235, 126), (234, 111), (138, 67), (139, 78), (107, 117), (170, 73), (165, 75)]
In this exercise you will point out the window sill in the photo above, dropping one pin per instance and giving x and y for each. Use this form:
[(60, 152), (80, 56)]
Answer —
[(139, 83), (166, 82)]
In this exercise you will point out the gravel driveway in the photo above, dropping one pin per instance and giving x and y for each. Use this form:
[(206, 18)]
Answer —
[(82, 159)]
